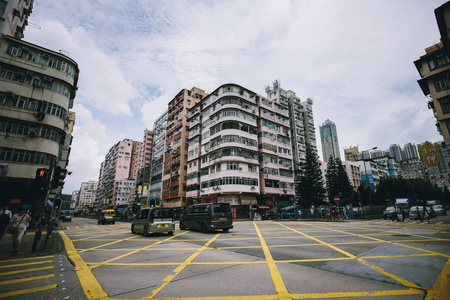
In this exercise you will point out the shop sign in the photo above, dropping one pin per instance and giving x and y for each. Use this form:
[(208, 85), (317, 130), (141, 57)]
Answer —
[(430, 154)]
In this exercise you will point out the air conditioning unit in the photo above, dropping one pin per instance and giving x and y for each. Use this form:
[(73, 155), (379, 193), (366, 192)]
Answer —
[(252, 188), (46, 56), (25, 49), (33, 134), (47, 78), (29, 73)]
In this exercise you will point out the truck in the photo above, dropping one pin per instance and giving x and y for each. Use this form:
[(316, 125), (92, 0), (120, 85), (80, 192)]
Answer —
[(432, 202), (403, 203)]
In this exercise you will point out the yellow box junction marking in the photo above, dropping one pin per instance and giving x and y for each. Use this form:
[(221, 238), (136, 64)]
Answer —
[(182, 266), (403, 281), (92, 289), (280, 287), (28, 291), (26, 279)]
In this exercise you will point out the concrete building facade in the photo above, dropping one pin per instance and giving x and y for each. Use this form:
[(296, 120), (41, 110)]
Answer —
[(14, 17), (241, 148), (87, 193), (434, 70), (37, 89), (157, 164), (176, 148), (122, 162)]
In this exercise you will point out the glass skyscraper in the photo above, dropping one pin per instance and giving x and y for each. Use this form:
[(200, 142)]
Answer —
[(329, 139)]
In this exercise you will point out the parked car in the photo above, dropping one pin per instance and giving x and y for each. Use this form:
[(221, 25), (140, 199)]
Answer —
[(389, 212), (440, 210), (65, 217), (107, 216), (153, 220), (206, 217), (413, 212)]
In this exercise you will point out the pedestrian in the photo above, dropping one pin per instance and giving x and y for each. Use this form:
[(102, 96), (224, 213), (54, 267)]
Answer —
[(418, 214), (5, 216), (322, 212), (426, 214), (18, 223), (402, 211), (311, 213), (344, 213), (299, 213)]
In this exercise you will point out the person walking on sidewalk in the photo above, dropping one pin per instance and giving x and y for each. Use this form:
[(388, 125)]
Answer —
[(5, 216), (19, 224)]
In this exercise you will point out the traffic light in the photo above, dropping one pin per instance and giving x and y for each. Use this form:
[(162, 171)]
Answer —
[(58, 177), (152, 202), (57, 204), (40, 180)]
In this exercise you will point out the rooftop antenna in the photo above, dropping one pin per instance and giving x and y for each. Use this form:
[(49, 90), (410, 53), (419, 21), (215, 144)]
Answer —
[(34, 25)]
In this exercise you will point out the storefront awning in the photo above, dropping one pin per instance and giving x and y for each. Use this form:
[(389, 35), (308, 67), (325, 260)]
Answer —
[(248, 200), (263, 207)]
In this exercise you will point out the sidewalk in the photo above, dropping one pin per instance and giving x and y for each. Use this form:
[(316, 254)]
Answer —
[(54, 245)]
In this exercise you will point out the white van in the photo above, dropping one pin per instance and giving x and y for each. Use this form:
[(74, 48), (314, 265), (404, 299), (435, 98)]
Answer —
[(153, 220)]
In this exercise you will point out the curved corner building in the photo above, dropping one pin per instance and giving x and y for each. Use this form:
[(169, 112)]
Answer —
[(37, 89), (229, 164)]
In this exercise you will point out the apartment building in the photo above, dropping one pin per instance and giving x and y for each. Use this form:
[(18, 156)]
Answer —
[(157, 164), (351, 153), (37, 89), (87, 194), (122, 162), (194, 150), (278, 144), (14, 17), (241, 148), (434, 70), (122, 191), (176, 148), (353, 173)]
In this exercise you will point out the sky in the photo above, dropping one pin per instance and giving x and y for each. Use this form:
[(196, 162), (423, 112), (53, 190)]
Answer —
[(353, 58)]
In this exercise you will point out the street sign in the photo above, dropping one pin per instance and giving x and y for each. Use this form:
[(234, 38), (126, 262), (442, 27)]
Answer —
[(337, 199)]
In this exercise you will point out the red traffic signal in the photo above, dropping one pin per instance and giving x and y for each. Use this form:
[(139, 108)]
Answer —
[(41, 177)]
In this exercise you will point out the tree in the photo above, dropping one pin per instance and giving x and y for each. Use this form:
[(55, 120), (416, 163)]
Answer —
[(338, 183), (309, 186)]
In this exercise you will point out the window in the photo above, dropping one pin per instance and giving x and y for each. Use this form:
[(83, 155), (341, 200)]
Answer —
[(442, 84), (52, 63), (439, 60), (445, 104), (233, 166)]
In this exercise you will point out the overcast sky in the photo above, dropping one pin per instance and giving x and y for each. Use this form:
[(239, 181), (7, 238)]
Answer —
[(353, 58)]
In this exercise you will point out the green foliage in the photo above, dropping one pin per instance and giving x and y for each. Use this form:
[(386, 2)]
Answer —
[(338, 183), (417, 189), (308, 184)]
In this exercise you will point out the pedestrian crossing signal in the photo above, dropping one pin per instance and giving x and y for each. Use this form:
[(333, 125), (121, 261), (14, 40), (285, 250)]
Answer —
[(41, 177)]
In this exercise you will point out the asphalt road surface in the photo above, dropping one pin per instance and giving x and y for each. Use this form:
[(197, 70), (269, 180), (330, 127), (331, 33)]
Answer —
[(377, 259)]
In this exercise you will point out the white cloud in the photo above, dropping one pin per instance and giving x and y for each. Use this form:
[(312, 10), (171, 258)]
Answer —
[(102, 84), (88, 149)]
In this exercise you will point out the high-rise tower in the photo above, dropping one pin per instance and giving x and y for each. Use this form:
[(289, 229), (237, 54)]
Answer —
[(329, 139)]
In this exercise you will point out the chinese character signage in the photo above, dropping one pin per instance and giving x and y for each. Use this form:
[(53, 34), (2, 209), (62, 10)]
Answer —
[(430, 154)]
